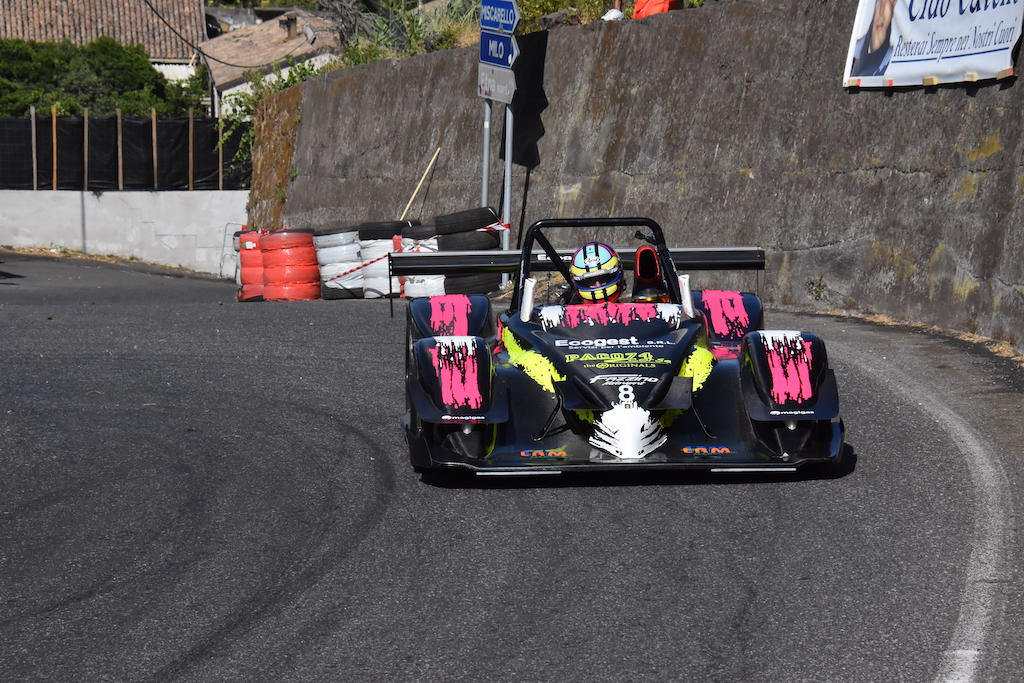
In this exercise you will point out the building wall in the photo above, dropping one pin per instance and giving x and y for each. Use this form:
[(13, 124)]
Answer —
[(190, 230), (224, 97)]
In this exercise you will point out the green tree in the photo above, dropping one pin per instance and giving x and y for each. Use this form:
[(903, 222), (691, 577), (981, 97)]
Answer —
[(103, 76)]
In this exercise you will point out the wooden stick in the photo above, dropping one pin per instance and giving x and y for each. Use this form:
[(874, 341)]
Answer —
[(120, 154), (85, 149), (35, 162), (53, 149), (422, 178), (190, 162), (156, 177)]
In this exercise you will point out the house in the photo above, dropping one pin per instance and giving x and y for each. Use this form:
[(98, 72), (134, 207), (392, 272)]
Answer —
[(296, 35), (227, 19), (164, 28)]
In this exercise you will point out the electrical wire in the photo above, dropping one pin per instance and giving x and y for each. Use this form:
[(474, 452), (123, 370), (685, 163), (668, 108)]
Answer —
[(211, 57)]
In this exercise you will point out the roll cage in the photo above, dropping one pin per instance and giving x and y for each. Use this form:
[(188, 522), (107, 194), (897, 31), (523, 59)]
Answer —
[(535, 234)]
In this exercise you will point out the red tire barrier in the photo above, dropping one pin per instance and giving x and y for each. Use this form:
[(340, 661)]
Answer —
[(251, 292), (291, 256), (250, 259), (292, 292), (290, 270), (289, 274), (286, 239)]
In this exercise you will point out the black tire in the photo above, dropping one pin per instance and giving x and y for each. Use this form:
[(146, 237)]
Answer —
[(472, 284), (844, 464), (339, 293), (463, 221), (469, 241), (419, 232), (383, 230)]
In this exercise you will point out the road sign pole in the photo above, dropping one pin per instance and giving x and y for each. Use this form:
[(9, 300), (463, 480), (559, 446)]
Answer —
[(506, 203), (497, 81), (487, 151), (506, 211)]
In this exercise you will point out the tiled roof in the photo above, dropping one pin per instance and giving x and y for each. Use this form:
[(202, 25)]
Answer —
[(129, 22), (256, 48)]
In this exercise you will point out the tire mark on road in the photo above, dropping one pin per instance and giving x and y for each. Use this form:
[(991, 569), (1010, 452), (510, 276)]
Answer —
[(300, 574)]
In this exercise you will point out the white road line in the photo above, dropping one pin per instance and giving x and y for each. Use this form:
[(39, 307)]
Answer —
[(992, 510)]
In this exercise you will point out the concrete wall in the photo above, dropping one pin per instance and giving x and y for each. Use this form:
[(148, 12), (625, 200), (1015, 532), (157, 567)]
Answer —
[(729, 125), (183, 229)]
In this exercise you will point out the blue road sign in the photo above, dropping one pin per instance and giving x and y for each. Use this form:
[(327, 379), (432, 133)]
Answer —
[(498, 49), (499, 15)]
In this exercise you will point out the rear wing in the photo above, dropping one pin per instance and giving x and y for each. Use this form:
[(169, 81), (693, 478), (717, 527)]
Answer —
[(466, 262)]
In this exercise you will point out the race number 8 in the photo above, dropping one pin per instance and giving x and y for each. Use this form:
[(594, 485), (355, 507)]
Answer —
[(626, 393)]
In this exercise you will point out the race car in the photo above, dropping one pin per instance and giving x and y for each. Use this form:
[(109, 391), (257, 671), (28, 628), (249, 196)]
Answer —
[(668, 378)]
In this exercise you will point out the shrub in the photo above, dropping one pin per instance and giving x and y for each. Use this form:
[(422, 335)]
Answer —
[(103, 76)]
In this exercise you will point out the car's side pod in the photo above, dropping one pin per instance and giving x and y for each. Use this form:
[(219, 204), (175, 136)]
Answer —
[(786, 377), (456, 315), (730, 315), (790, 394), (452, 381)]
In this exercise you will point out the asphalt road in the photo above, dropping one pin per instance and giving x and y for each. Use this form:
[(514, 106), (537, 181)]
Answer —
[(197, 489)]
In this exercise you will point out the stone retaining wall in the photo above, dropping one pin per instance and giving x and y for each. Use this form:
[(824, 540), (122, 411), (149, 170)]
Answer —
[(729, 125)]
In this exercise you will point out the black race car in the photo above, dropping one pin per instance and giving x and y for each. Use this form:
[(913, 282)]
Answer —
[(674, 379)]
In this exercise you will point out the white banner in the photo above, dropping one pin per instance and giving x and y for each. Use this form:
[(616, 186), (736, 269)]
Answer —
[(926, 42)]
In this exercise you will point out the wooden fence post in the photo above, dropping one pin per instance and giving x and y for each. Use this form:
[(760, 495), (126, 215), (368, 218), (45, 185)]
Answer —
[(156, 177), (120, 154), (35, 162), (220, 153), (85, 149), (53, 149)]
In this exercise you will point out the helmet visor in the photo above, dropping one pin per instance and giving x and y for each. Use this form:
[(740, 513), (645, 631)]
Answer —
[(597, 280)]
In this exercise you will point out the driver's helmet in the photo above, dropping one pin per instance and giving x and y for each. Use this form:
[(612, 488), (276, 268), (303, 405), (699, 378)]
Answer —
[(596, 273)]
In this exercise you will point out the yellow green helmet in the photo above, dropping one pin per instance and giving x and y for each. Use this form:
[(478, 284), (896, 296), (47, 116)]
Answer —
[(596, 273)]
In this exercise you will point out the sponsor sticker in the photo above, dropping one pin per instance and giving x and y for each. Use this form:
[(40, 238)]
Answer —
[(791, 412), (464, 418), (706, 450), (617, 360), (621, 341), (545, 453), (618, 380)]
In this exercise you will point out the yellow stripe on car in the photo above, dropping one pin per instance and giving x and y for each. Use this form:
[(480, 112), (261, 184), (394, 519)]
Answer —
[(536, 366)]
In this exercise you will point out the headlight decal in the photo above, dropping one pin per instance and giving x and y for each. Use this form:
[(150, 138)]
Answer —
[(698, 365), (538, 368)]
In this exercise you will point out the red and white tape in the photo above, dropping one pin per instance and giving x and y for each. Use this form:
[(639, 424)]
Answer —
[(397, 243)]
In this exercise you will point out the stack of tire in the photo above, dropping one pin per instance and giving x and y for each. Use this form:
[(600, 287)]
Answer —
[(249, 270), (419, 239), (290, 270), (461, 232), (376, 241), (337, 252)]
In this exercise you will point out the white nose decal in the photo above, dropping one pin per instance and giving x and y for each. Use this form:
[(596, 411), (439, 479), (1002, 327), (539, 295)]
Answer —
[(626, 431)]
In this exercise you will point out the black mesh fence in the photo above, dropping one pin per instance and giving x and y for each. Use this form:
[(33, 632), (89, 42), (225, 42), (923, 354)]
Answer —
[(102, 154), (16, 154), (117, 154)]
